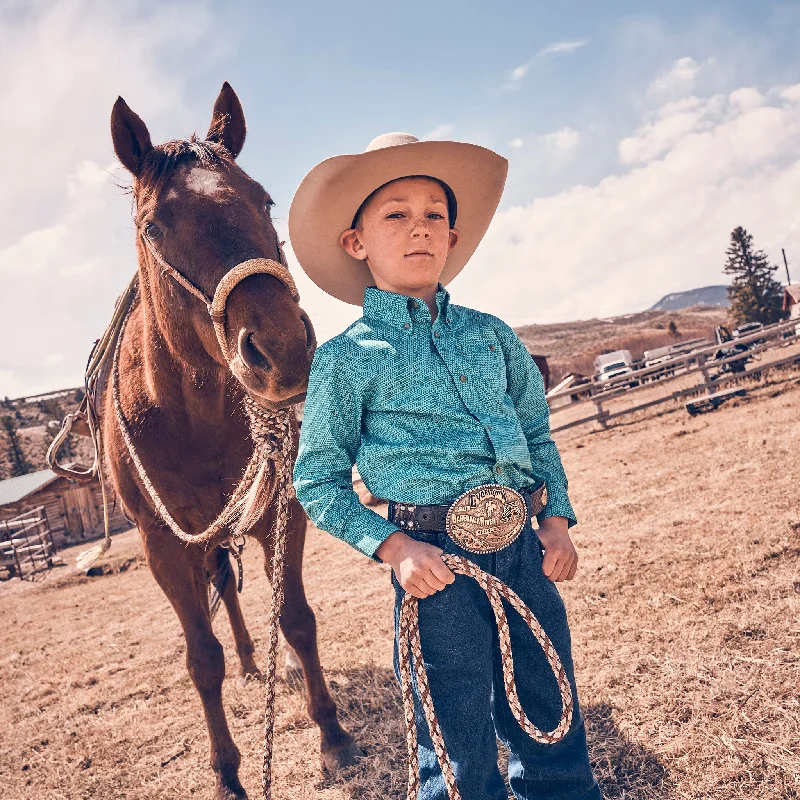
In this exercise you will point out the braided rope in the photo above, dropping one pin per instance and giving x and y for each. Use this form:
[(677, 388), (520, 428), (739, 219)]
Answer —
[(278, 429), (410, 650), (265, 450)]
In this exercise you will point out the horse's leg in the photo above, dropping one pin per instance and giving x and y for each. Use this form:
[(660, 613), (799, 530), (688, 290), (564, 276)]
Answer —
[(230, 596), (182, 577), (337, 747)]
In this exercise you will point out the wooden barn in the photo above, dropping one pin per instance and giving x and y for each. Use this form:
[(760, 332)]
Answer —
[(74, 511), (791, 300)]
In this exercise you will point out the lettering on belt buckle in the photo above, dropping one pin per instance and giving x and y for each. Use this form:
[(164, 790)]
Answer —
[(487, 518)]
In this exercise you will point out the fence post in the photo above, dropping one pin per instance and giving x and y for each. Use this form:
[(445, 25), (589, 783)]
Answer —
[(601, 413), (708, 380)]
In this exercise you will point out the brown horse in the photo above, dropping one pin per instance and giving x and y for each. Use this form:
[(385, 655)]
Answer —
[(181, 398)]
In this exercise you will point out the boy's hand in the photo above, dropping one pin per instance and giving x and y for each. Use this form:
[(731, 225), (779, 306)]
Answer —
[(418, 566), (560, 559)]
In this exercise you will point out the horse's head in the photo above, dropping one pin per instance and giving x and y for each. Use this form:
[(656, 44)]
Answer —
[(199, 215)]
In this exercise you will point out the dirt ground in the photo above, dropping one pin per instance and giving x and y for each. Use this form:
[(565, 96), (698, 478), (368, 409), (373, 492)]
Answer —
[(684, 613)]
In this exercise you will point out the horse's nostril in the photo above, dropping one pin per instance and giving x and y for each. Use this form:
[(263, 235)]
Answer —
[(310, 337), (252, 355)]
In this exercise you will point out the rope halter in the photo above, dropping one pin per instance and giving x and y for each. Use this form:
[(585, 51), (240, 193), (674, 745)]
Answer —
[(216, 306)]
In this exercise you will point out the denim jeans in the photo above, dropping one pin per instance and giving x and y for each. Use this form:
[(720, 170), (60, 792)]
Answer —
[(459, 642)]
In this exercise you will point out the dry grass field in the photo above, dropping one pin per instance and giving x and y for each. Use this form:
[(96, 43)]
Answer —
[(685, 619)]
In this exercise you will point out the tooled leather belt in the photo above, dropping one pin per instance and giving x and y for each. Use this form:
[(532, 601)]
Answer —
[(411, 517)]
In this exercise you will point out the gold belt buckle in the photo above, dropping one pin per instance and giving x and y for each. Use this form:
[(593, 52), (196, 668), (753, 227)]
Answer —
[(487, 518)]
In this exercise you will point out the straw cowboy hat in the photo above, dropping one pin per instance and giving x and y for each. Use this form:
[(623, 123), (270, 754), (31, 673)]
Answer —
[(330, 195)]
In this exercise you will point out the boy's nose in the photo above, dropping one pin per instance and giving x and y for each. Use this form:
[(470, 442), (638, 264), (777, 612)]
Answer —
[(420, 229)]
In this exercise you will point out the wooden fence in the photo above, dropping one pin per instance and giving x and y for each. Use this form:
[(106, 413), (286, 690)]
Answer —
[(26, 545), (694, 367)]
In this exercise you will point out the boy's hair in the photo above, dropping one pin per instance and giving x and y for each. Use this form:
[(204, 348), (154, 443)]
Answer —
[(452, 207)]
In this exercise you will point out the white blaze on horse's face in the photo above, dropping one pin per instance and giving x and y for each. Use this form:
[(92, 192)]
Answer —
[(204, 181)]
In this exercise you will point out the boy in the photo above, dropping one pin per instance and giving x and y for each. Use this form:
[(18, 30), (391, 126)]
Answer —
[(430, 401)]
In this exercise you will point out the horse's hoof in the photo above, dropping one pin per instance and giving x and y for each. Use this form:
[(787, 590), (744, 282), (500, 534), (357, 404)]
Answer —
[(295, 678), (344, 755), (252, 673)]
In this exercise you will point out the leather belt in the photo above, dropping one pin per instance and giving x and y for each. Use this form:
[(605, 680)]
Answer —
[(412, 517)]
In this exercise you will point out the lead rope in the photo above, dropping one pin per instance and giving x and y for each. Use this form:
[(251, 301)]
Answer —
[(410, 653), (271, 432)]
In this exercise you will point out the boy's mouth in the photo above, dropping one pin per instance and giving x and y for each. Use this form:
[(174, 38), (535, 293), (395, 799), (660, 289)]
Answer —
[(419, 253)]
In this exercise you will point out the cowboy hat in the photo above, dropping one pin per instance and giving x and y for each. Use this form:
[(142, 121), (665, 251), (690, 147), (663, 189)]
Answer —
[(330, 195)]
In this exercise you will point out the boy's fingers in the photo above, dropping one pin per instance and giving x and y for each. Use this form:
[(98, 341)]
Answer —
[(442, 571), (417, 591), (549, 564), (431, 581), (565, 567), (572, 570)]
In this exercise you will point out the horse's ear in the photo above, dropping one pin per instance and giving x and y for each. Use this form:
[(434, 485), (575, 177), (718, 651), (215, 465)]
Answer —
[(130, 136), (227, 122)]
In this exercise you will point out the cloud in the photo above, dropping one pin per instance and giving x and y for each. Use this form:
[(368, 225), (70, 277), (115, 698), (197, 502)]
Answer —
[(518, 73), (66, 244), (516, 143), (680, 77), (439, 132), (52, 359), (661, 225), (562, 140), (561, 47)]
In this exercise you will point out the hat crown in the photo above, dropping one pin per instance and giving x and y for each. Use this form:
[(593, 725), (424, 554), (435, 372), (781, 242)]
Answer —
[(390, 140)]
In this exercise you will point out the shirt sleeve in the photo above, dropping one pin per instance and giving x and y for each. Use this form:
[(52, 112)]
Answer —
[(526, 390), (329, 439)]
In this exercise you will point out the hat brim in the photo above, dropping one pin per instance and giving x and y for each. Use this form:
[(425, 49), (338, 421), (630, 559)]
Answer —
[(329, 196)]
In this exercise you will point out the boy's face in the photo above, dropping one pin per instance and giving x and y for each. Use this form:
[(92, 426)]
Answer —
[(404, 235)]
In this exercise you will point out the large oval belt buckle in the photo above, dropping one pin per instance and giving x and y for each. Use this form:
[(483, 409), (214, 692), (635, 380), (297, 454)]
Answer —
[(487, 518)]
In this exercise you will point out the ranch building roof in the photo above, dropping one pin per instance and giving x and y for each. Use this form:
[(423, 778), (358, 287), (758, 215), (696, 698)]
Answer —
[(12, 490), (791, 295)]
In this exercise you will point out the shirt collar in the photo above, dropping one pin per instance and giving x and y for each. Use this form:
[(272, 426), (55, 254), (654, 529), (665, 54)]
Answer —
[(400, 309)]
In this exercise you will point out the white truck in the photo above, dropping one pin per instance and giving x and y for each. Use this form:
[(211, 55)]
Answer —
[(612, 365)]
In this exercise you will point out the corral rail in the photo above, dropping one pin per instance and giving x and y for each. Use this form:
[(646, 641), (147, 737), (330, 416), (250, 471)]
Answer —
[(693, 364)]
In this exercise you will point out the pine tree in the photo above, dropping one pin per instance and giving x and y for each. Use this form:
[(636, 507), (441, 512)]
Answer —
[(754, 294), (673, 329), (18, 462)]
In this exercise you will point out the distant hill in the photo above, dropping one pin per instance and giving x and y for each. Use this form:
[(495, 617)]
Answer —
[(572, 346), (704, 296)]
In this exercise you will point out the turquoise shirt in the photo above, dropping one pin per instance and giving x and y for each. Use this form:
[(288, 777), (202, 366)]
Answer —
[(426, 410)]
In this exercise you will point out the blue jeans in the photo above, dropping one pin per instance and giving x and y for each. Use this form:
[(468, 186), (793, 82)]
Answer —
[(459, 642)]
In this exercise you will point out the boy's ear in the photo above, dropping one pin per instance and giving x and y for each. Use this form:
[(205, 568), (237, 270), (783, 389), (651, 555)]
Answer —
[(453, 238), (352, 244)]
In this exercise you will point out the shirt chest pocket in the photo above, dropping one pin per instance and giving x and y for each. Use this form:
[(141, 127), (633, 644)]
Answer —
[(484, 361)]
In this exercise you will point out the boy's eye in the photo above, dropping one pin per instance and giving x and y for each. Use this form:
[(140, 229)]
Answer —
[(435, 215), (395, 215)]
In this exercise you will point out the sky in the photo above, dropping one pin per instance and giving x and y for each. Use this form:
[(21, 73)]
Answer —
[(639, 134)]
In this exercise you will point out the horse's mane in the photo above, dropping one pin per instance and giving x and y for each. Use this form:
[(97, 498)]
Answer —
[(160, 163)]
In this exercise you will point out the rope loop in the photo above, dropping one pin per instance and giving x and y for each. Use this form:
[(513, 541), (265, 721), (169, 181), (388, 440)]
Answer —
[(410, 652)]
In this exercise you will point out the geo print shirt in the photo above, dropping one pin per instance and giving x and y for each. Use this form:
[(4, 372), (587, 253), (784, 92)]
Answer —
[(426, 410)]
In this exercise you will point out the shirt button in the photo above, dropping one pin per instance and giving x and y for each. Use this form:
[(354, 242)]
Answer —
[(492, 348), (462, 378), (498, 469), (488, 427), (414, 304), (407, 326), (436, 334)]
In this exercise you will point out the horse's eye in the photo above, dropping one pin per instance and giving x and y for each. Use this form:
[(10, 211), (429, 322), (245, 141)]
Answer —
[(268, 205), (152, 231)]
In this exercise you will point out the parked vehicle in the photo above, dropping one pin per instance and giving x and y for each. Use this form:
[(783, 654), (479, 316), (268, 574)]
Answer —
[(723, 336), (612, 365), (746, 330)]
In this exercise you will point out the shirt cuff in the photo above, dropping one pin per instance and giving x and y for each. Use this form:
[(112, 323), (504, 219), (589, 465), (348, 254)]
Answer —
[(367, 532), (558, 507)]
